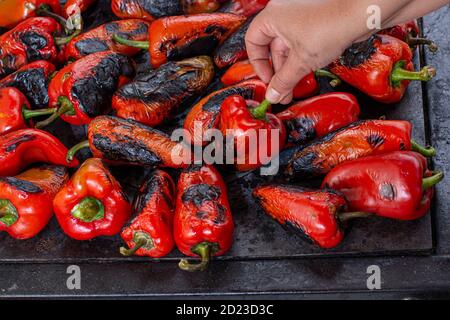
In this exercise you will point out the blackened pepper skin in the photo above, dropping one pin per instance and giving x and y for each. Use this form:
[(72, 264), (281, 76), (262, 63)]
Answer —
[(146, 9), (152, 98), (359, 52)]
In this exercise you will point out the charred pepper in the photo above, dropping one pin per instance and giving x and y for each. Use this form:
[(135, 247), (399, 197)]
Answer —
[(26, 200), (13, 12), (247, 8), (83, 89), (380, 67), (153, 97), (91, 203), (123, 141), (20, 148), (150, 233), (360, 139), (72, 7), (179, 37), (396, 185), (319, 116), (203, 225)]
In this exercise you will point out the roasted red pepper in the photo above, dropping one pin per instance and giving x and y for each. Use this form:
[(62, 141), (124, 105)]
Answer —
[(150, 233), (307, 87), (319, 116), (72, 7), (247, 8), (100, 39), (396, 185), (409, 32), (200, 6), (15, 111), (203, 225), (32, 80), (317, 215), (29, 41), (244, 124), (26, 200), (20, 148), (179, 37), (380, 67), (92, 203), (128, 142), (84, 89), (360, 139), (206, 113), (153, 97), (13, 12)]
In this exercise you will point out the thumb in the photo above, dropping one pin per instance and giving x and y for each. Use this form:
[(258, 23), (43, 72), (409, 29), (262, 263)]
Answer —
[(286, 78)]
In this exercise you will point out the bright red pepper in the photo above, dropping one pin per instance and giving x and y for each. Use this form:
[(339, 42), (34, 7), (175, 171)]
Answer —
[(396, 185), (319, 116), (92, 203), (100, 39), (13, 12), (317, 215), (83, 89), (247, 8), (180, 37), (206, 113), (409, 32), (72, 7), (380, 67), (203, 225), (19, 149), (26, 200), (150, 233), (245, 123), (32, 80), (360, 139)]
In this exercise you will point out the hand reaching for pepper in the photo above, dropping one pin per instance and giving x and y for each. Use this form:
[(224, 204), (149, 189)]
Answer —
[(305, 35)]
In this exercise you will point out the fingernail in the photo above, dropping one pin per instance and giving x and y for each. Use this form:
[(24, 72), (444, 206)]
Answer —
[(273, 96)]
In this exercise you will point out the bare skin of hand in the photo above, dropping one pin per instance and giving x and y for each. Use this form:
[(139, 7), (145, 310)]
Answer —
[(301, 36)]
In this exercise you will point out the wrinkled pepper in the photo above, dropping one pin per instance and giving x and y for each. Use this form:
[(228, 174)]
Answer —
[(32, 80), (100, 39), (13, 12), (83, 89), (244, 123), (319, 116), (20, 148), (396, 185), (153, 97), (380, 67), (247, 8), (150, 233), (206, 113), (316, 215), (203, 224), (360, 139), (92, 203), (15, 111), (121, 141), (26, 200), (180, 37)]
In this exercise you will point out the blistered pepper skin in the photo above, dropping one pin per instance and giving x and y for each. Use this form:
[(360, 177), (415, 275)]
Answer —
[(12, 103)]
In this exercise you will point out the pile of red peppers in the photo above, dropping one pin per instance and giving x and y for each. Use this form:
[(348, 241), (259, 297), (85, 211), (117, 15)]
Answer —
[(50, 69)]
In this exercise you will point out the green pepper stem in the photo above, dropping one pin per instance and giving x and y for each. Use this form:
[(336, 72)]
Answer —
[(204, 251), (399, 73), (140, 239), (65, 106), (346, 216), (417, 41), (131, 43), (89, 209), (429, 182), (325, 73), (64, 40), (46, 11), (260, 111), (72, 151), (8, 212), (425, 151), (28, 114)]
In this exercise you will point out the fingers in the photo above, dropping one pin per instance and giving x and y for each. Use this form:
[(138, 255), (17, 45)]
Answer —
[(257, 41), (285, 79), (279, 53)]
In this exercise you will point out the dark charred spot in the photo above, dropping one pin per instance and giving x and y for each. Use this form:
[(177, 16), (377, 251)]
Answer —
[(375, 140), (196, 47), (7, 65), (154, 185), (301, 130), (14, 143), (200, 193), (221, 217), (215, 29), (387, 191), (91, 45), (402, 146), (201, 214), (233, 48), (34, 42), (22, 185), (215, 101), (156, 8), (359, 52), (114, 28), (95, 91), (58, 171), (193, 168), (302, 165)]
